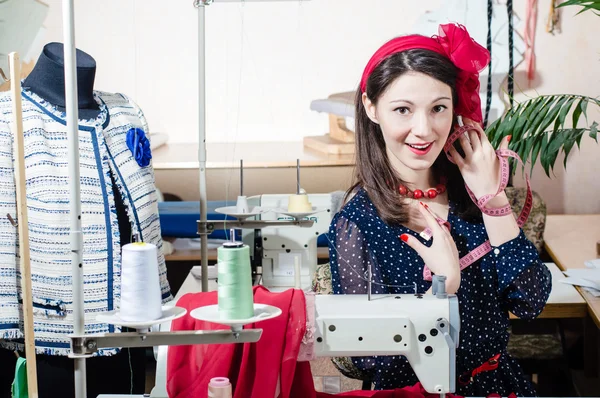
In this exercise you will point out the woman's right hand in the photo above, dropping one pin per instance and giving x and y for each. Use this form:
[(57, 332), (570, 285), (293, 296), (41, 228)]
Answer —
[(442, 256)]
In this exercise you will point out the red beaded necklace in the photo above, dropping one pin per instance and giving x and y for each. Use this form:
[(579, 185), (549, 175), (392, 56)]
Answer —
[(428, 193)]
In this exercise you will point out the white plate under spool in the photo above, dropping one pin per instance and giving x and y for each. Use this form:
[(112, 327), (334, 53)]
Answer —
[(233, 212), (210, 313), (300, 215), (169, 313)]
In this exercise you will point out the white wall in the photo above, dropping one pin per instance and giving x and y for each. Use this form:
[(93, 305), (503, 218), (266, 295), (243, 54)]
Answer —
[(567, 63), (260, 88)]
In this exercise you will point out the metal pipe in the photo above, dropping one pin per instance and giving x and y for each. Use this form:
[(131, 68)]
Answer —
[(74, 187), (202, 141)]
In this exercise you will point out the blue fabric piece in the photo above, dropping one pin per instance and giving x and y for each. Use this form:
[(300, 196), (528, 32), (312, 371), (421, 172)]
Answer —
[(178, 220), (138, 144)]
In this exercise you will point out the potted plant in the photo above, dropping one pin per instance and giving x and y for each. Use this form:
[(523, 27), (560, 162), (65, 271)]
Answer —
[(538, 126)]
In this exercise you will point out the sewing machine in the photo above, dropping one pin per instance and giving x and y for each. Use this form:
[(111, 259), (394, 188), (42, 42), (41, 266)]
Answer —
[(422, 327), (279, 247)]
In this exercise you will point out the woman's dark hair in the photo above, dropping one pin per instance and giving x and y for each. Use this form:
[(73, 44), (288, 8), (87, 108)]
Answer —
[(373, 170)]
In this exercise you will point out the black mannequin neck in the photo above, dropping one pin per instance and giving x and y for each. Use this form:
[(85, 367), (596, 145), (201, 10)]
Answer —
[(47, 79)]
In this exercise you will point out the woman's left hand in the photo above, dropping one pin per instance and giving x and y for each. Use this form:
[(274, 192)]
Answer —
[(480, 166)]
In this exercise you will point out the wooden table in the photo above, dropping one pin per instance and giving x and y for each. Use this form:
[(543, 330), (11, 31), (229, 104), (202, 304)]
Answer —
[(564, 300), (194, 255), (571, 240), (268, 168), (178, 156)]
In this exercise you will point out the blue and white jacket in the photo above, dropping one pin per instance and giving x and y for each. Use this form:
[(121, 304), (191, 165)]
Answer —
[(103, 150)]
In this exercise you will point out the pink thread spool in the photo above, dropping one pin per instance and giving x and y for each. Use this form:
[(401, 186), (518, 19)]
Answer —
[(219, 387)]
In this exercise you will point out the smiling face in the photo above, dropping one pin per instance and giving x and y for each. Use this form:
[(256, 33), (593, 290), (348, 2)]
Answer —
[(415, 116)]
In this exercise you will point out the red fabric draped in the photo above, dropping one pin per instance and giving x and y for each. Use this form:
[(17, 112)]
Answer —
[(255, 369)]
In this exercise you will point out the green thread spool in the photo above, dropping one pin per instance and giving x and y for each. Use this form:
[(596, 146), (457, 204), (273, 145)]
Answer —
[(235, 297)]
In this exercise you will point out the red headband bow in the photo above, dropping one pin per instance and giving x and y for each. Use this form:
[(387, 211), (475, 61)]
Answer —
[(454, 43)]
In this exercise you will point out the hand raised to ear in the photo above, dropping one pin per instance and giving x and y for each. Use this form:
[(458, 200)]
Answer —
[(480, 166)]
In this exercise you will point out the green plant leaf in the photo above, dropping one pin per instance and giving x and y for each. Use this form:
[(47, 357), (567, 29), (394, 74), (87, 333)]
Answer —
[(508, 128), (566, 150), (538, 128), (583, 105), (579, 137), (526, 118), (545, 155), (555, 143), (586, 4), (551, 156), (551, 115), (541, 115), (576, 114), (594, 131), (535, 118), (536, 150), (562, 116), (569, 142), (527, 147)]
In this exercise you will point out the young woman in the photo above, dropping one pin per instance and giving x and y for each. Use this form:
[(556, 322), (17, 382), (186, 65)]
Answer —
[(412, 92)]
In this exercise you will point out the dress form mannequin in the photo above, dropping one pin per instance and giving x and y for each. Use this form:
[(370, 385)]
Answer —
[(47, 79), (55, 373)]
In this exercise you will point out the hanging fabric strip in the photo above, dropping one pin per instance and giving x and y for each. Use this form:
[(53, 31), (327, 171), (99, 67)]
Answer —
[(488, 101), (529, 37), (553, 18), (509, 10)]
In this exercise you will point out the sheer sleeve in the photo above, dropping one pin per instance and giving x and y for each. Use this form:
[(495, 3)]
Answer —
[(349, 259), (524, 282)]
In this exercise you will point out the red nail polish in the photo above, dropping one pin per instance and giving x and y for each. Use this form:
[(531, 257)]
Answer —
[(508, 139), (404, 237)]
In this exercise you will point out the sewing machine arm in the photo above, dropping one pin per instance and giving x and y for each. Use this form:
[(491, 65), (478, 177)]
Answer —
[(423, 328)]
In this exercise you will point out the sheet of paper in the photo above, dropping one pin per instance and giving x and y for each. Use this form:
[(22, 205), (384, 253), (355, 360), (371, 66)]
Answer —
[(594, 264), (581, 282), (593, 292), (592, 274)]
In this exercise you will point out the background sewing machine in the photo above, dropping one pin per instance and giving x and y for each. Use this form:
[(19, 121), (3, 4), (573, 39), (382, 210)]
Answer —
[(276, 248)]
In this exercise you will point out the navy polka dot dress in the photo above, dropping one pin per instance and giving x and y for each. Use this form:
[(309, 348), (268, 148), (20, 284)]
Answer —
[(510, 278)]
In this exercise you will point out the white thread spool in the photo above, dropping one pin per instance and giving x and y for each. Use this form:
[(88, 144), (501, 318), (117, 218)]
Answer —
[(242, 205), (140, 284), (297, 274)]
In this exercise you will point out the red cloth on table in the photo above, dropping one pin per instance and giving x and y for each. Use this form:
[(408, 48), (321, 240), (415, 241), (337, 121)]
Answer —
[(254, 368), (416, 391)]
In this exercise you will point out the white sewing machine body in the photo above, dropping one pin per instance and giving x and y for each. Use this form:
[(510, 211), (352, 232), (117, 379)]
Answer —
[(281, 245), (422, 327)]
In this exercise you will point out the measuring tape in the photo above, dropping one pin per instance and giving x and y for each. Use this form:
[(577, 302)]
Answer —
[(503, 155)]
